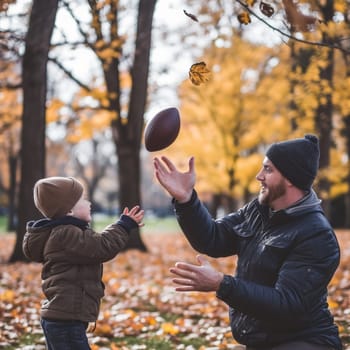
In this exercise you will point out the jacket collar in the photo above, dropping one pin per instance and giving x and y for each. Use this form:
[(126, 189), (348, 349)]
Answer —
[(66, 220), (310, 202)]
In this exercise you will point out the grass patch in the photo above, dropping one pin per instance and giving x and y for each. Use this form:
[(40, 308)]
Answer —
[(3, 224), (27, 340), (152, 224)]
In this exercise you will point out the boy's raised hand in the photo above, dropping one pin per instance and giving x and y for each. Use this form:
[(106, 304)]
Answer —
[(135, 213)]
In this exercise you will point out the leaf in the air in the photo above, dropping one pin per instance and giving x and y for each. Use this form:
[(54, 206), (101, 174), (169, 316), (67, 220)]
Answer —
[(244, 18), (199, 73), (193, 17), (266, 9)]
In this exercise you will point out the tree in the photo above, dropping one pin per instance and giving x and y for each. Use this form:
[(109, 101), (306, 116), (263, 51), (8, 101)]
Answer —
[(344, 109), (9, 145), (307, 77), (227, 117), (127, 131), (127, 136), (34, 73), (127, 124), (11, 43), (313, 46)]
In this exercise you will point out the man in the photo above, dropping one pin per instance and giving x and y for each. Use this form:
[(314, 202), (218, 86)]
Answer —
[(287, 251)]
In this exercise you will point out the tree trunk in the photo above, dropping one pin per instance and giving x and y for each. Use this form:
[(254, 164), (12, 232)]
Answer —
[(346, 58), (11, 224), (214, 204), (324, 111), (347, 195), (127, 136), (129, 181), (34, 74)]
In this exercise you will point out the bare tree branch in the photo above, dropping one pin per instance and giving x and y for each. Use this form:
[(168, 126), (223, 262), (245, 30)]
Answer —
[(10, 86), (78, 23), (290, 36), (69, 74)]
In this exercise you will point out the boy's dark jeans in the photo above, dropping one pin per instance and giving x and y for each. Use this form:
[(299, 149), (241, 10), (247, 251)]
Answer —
[(65, 335)]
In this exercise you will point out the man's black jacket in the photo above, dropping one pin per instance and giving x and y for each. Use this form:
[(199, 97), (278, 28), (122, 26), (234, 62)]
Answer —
[(285, 261)]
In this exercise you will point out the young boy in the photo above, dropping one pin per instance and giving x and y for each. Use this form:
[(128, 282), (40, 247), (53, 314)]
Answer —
[(72, 255)]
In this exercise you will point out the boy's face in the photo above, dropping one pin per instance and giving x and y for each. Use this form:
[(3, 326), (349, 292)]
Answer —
[(82, 209)]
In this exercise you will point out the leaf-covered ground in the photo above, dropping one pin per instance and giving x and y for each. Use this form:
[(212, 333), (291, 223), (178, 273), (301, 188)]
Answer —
[(141, 310)]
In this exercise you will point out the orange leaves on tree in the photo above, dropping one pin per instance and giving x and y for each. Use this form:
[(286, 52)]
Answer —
[(199, 73), (92, 114), (297, 20), (54, 110), (107, 51), (11, 109)]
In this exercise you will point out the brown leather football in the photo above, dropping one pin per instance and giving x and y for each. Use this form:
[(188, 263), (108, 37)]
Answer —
[(162, 130)]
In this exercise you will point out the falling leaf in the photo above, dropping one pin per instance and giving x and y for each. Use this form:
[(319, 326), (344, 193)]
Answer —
[(266, 9), (193, 17), (199, 73), (297, 20), (244, 18)]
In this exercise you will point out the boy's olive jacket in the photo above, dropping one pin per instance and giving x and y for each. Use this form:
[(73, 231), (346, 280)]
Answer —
[(72, 255)]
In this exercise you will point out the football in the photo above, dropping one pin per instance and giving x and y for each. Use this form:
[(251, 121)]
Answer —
[(162, 130)]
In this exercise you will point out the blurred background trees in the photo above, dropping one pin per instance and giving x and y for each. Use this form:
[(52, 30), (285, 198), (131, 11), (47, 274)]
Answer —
[(80, 86)]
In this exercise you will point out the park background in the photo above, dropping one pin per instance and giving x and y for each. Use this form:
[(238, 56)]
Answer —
[(79, 80)]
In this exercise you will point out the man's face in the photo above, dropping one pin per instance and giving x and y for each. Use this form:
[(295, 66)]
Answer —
[(273, 185)]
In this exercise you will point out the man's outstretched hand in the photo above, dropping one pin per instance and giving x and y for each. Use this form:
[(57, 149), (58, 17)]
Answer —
[(178, 184), (200, 278)]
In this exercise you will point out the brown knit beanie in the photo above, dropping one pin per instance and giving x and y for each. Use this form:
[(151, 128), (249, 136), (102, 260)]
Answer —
[(56, 196)]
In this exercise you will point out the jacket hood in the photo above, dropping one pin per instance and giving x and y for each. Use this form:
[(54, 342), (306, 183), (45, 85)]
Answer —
[(38, 232)]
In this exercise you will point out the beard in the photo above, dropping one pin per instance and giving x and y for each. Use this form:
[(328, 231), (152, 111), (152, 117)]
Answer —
[(268, 195)]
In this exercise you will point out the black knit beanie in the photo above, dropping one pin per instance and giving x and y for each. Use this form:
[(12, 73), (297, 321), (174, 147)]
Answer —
[(297, 160)]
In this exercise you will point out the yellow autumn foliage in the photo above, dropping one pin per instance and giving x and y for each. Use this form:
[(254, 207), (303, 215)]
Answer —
[(53, 110), (340, 6), (228, 122), (222, 124)]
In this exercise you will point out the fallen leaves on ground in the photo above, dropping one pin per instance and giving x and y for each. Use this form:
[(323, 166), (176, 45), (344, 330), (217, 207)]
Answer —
[(141, 303)]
